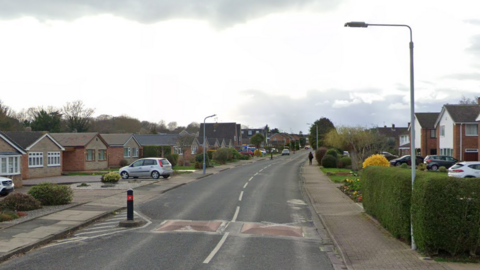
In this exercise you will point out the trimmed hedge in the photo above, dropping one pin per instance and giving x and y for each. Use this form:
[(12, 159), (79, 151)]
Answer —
[(156, 151), (52, 194), (332, 152), (386, 196), (446, 214)]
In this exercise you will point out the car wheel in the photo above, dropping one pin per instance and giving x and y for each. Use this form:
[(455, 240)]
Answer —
[(125, 175), (434, 167), (166, 176), (398, 164), (155, 175)]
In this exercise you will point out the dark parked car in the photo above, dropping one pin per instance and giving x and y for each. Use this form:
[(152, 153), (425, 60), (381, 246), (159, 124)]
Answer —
[(388, 156), (434, 162), (405, 159)]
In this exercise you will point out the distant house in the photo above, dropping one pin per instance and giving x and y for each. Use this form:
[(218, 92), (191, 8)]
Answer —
[(121, 147), (247, 134), (83, 151), (281, 139), (457, 131), (222, 131), (11, 155), (43, 156), (425, 133), (393, 135), (163, 142)]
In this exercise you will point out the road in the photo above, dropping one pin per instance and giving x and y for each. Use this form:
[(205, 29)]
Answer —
[(249, 217)]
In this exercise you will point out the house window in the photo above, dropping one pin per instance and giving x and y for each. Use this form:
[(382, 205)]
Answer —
[(257, 131), (442, 131), (433, 133), (471, 130), (134, 152), (90, 155), (35, 159), (9, 165), (102, 154), (177, 150), (53, 159), (126, 152), (249, 132), (194, 150)]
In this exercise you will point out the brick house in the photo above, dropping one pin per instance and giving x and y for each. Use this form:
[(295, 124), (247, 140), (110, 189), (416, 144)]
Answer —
[(247, 134), (43, 156), (457, 131), (121, 147), (392, 134), (281, 139), (425, 133), (11, 161), (160, 140), (83, 151)]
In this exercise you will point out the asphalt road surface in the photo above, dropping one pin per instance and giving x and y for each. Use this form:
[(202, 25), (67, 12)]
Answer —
[(250, 217)]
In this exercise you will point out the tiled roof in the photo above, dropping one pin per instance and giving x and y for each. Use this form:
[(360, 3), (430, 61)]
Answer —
[(73, 139), (463, 112), (24, 138), (156, 139), (11, 142), (427, 120), (392, 132), (116, 139), (225, 131)]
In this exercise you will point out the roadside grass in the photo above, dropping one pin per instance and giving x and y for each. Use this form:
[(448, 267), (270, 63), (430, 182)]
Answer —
[(337, 175), (180, 168)]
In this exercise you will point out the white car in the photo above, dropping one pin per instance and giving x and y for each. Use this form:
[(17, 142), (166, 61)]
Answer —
[(147, 167), (285, 152), (465, 169), (6, 186)]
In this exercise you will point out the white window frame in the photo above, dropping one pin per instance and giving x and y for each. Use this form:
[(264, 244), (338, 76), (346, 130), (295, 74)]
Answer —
[(53, 159), (128, 151), (35, 159), (134, 152), (10, 165), (471, 130), (194, 150)]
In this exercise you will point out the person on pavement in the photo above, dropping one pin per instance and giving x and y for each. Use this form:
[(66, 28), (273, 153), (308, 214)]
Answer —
[(310, 157)]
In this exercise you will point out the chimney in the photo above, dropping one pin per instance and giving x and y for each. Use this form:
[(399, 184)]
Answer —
[(393, 127)]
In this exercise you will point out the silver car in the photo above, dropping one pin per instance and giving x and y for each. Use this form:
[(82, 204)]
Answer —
[(147, 167)]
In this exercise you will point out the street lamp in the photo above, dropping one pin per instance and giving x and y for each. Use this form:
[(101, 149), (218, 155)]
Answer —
[(413, 155), (204, 139), (316, 140)]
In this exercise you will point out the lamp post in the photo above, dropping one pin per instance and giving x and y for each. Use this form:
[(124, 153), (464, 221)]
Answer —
[(413, 155), (316, 140), (204, 139)]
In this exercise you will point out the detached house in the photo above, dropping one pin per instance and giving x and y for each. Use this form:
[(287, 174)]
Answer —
[(457, 131), (121, 147), (425, 133), (43, 156), (83, 151)]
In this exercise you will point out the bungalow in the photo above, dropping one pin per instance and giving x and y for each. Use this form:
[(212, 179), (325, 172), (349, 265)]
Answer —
[(43, 153), (83, 151), (121, 147), (163, 142), (457, 131), (11, 159)]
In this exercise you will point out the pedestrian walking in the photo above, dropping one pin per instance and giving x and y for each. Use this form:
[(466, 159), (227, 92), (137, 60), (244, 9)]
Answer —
[(310, 157)]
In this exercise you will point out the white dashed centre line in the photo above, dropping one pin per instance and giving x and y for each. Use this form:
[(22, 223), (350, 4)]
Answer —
[(236, 214), (216, 249), (250, 179), (255, 174), (245, 185), (241, 195)]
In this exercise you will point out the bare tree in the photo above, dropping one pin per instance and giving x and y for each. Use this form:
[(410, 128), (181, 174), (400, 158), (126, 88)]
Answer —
[(466, 100), (172, 126), (77, 117)]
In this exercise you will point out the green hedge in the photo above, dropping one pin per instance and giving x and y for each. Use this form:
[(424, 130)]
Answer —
[(386, 196), (446, 214), (156, 151)]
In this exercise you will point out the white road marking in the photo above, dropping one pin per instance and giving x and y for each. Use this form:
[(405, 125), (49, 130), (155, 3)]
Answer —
[(217, 248), (245, 185), (110, 230), (241, 195), (255, 174), (260, 170), (250, 179), (236, 214)]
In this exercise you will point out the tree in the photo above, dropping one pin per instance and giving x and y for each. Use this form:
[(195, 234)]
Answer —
[(77, 117), (172, 126), (465, 100), (324, 127), (274, 131), (193, 127), (46, 121), (7, 118), (162, 127), (257, 140), (360, 142), (184, 142)]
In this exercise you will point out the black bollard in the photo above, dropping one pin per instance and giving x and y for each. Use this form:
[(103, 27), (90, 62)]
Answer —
[(129, 204)]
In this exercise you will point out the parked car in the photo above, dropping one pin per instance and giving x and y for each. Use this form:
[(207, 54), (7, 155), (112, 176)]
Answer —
[(405, 159), (6, 186), (264, 152), (434, 162), (147, 167), (388, 156), (285, 152), (465, 169), (246, 152)]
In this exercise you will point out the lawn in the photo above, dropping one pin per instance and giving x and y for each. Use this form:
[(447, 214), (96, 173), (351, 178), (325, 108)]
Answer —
[(337, 175)]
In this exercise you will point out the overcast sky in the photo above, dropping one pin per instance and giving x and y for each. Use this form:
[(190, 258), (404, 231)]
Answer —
[(284, 63)]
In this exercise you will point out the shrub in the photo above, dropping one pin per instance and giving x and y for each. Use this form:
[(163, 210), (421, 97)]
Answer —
[(235, 153), (198, 165), (332, 152), (8, 216), (257, 153), (210, 154), (329, 161), (376, 160), (404, 166), (346, 161), (223, 155), (442, 169), (52, 194), (199, 159), (422, 166), (111, 177), (123, 163), (173, 159), (20, 202), (244, 157), (319, 154)]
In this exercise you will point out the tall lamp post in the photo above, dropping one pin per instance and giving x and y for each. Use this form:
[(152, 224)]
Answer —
[(204, 139), (316, 140), (413, 155)]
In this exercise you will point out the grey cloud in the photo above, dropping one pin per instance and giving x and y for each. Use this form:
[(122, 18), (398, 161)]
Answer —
[(218, 12), (463, 76)]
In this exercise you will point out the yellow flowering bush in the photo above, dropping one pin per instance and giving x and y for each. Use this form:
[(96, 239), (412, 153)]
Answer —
[(376, 160)]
